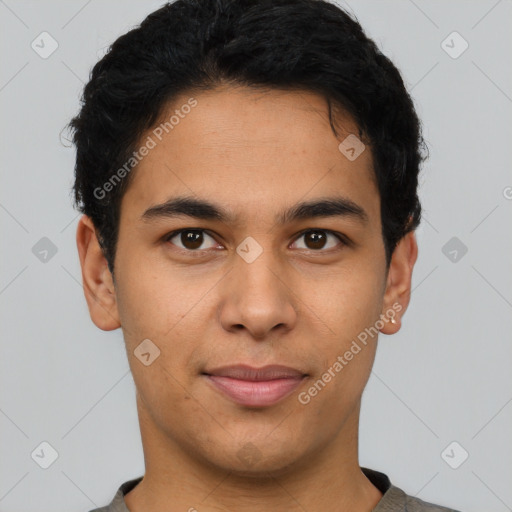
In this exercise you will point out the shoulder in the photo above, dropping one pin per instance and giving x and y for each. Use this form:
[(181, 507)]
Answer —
[(413, 504), (118, 504), (395, 500)]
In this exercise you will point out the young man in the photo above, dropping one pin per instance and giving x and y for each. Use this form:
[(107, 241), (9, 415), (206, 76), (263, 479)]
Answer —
[(248, 176)]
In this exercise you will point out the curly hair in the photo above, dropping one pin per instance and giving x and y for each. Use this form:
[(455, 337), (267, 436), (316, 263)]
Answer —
[(310, 45)]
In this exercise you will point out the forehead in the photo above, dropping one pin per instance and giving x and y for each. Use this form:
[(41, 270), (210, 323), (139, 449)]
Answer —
[(251, 149)]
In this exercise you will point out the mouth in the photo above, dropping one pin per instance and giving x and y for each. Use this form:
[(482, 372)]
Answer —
[(255, 387)]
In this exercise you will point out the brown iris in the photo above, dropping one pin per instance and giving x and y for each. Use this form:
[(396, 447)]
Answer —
[(194, 238), (315, 239)]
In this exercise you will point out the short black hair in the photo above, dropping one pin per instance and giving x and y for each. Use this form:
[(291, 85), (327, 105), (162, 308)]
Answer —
[(188, 45)]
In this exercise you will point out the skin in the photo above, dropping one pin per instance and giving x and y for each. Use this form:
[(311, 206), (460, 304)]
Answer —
[(255, 153)]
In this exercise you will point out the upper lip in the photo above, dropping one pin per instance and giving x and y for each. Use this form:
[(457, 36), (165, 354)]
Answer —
[(250, 373)]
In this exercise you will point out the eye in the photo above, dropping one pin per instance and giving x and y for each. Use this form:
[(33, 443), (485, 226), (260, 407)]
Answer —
[(191, 239), (315, 239)]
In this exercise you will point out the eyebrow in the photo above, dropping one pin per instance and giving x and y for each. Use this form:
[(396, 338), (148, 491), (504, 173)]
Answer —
[(202, 209)]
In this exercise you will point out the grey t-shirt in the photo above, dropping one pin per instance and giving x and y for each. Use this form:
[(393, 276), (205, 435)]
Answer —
[(393, 499)]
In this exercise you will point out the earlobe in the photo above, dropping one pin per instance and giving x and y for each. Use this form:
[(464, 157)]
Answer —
[(97, 279), (398, 286)]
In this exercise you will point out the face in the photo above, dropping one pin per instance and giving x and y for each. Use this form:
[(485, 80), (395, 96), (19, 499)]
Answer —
[(254, 287)]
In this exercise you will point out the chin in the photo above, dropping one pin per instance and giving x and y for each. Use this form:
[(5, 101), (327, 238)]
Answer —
[(258, 460)]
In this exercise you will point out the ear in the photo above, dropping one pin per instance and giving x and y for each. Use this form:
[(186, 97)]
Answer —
[(398, 286), (97, 280)]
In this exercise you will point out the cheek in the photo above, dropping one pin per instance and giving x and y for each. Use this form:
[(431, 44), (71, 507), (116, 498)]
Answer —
[(152, 310), (154, 298), (171, 308), (349, 306), (347, 300), (347, 354)]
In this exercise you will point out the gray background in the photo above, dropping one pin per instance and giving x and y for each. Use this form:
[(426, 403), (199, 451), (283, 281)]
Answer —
[(444, 377)]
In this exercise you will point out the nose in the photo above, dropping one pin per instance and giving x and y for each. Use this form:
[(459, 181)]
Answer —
[(257, 298)]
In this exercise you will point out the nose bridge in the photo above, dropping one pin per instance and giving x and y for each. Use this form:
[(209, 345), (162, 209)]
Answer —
[(256, 268), (257, 298)]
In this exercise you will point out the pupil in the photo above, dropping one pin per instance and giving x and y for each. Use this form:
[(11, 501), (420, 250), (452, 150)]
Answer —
[(316, 238), (194, 239)]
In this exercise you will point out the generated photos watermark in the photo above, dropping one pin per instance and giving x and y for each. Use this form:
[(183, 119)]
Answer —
[(342, 360), (150, 143)]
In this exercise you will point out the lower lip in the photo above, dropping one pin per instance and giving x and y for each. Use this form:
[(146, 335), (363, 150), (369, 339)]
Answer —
[(255, 393)]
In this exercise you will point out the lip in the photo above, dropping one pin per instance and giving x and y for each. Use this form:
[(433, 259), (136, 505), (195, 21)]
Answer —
[(255, 387)]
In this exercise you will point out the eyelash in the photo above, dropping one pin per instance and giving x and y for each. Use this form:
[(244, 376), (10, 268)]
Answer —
[(342, 238)]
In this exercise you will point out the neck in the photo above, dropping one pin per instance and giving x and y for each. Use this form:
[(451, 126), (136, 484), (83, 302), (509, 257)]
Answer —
[(328, 479)]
